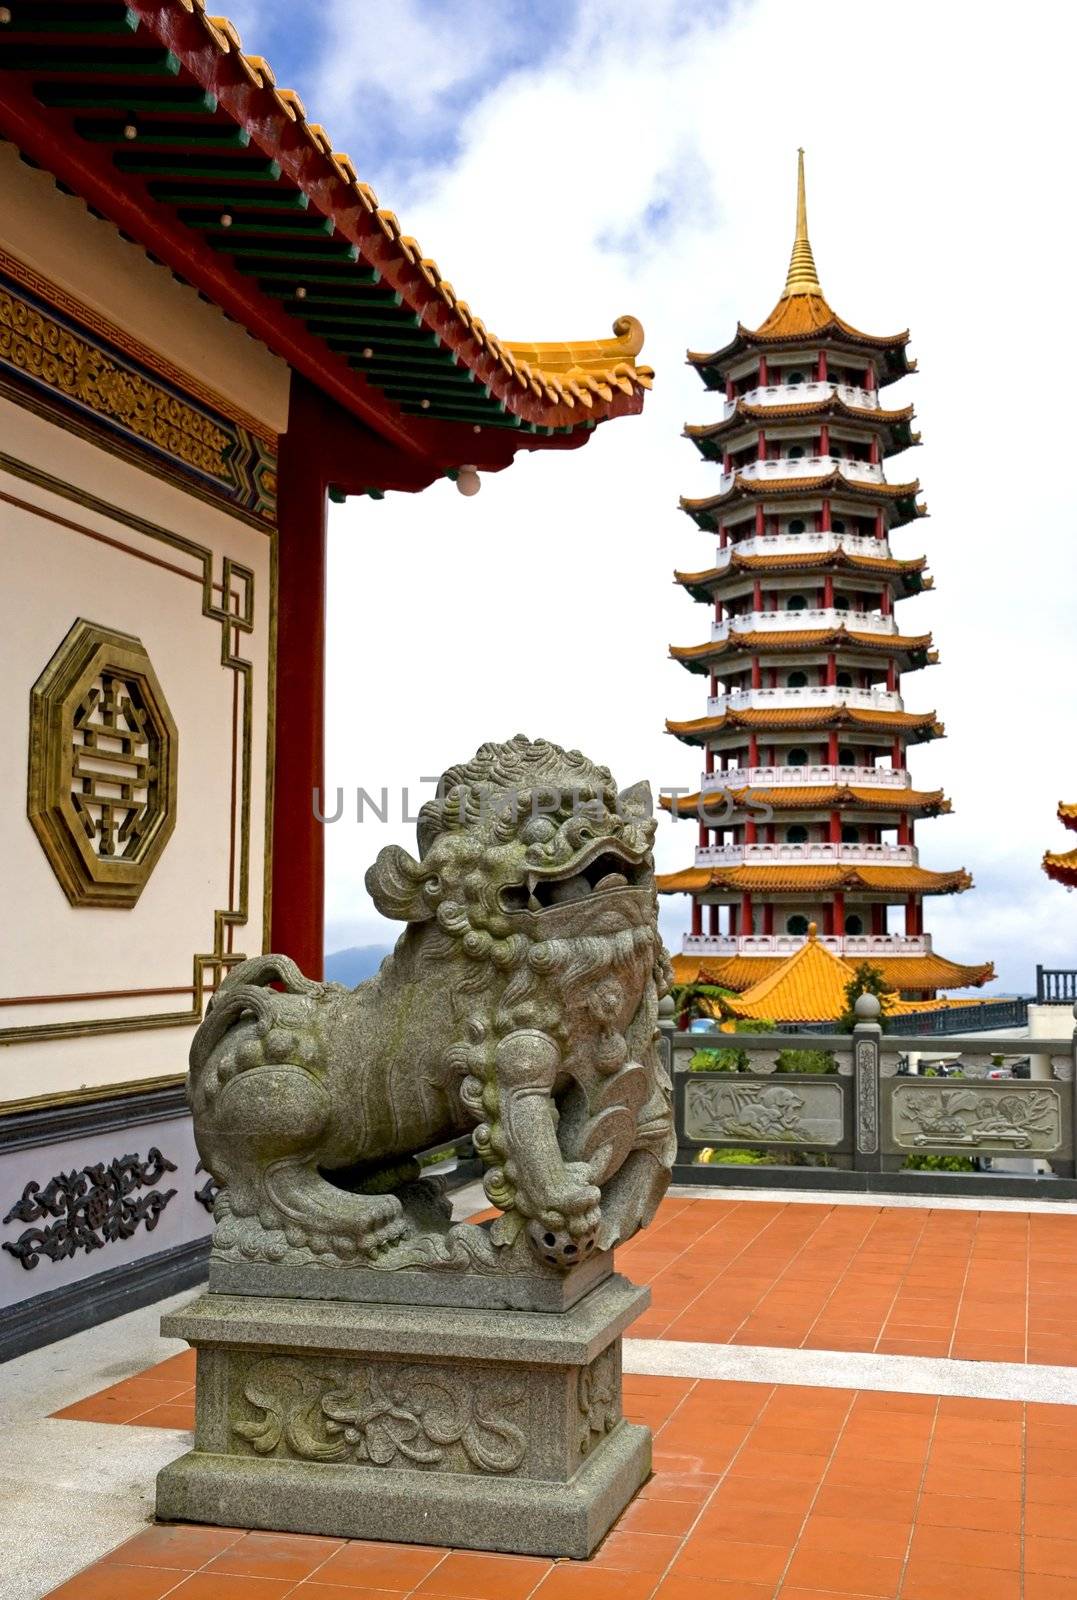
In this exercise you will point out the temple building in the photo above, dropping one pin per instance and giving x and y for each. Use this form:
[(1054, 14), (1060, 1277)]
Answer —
[(1062, 866), (807, 809), (209, 327)]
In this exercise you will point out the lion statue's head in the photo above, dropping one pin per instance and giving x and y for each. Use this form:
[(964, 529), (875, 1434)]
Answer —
[(535, 882), (515, 837)]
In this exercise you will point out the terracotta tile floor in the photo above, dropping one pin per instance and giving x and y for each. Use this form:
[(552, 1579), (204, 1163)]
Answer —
[(974, 1285), (759, 1492), (160, 1397)]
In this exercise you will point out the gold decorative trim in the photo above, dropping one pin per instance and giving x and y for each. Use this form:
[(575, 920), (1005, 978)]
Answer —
[(113, 334), (75, 1097), (235, 614), (85, 369), (104, 749)]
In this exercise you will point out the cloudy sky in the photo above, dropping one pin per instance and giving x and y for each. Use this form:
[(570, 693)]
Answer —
[(567, 162)]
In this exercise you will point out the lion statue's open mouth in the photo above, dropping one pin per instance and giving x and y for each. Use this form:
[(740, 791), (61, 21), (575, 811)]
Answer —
[(519, 1005), (603, 870)]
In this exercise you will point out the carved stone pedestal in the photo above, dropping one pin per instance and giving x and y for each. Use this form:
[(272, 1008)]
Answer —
[(488, 1430)]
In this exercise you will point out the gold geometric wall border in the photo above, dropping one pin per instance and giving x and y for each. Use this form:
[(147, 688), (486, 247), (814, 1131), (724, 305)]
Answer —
[(102, 773), (207, 967)]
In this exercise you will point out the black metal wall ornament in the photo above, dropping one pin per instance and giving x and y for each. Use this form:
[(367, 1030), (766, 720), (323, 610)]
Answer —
[(94, 1206), (209, 1191)]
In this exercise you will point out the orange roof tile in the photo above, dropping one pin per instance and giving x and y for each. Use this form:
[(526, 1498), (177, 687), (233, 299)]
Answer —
[(809, 560), (1062, 867), (767, 488), (809, 986), (800, 639), (812, 798), (808, 718), (899, 972), (814, 877), (826, 405)]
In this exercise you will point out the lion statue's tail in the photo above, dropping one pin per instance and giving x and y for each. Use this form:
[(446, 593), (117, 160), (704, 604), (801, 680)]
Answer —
[(246, 992)]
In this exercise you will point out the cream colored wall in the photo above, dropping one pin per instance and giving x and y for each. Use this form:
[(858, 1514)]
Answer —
[(52, 572), (55, 234)]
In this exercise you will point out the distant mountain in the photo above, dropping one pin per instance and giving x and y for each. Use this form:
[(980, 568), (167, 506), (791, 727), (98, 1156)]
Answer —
[(352, 966)]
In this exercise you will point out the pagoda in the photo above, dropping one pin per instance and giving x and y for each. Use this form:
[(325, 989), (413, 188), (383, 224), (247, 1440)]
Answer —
[(1062, 865), (807, 811)]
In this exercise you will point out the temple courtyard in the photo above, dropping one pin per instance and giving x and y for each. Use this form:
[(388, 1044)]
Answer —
[(849, 1397)]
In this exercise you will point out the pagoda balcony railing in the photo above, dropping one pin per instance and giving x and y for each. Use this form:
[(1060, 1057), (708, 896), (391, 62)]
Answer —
[(810, 617), (799, 777), (762, 855), (812, 694), (804, 467), (859, 945), (790, 394), (815, 541)]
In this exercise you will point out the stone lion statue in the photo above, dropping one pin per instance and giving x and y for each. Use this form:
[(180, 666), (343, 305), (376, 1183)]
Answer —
[(519, 1005)]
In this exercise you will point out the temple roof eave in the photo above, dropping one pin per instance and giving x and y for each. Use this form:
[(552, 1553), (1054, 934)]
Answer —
[(813, 797), (813, 878), (700, 729), (900, 972), (337, 239), (1062, 867), (901, 495), (818, 329), (806, 410), (695, 657), (810, 560)]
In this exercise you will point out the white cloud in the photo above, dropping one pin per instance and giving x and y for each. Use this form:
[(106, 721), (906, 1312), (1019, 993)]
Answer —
[(939, 197)]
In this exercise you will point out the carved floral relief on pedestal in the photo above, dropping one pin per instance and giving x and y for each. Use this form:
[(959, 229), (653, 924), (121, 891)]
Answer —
[(384, 1414)]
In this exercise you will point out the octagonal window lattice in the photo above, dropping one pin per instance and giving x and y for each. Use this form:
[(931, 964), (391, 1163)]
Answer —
[(103, 753)]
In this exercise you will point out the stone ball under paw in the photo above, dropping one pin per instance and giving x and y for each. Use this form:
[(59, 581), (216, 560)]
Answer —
[(557, 1247)]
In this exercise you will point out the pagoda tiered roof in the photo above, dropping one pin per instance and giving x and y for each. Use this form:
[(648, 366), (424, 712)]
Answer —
[(796, 321), (696, 657), (893, 426), (701, 585), (813, 877), (803, 315), (817, 718), (899, 972), (817, 797), (901, 497)]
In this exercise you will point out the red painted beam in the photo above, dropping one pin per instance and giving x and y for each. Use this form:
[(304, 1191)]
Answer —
[(324, 445)]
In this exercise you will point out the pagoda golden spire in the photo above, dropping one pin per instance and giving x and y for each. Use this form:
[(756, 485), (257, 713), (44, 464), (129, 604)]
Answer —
[(802, 277)]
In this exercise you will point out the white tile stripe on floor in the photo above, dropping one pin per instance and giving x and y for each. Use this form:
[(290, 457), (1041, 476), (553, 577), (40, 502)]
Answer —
[(833, 1197), (850, 1369)]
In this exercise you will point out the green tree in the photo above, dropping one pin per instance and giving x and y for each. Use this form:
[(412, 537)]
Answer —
[(865, 980)]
